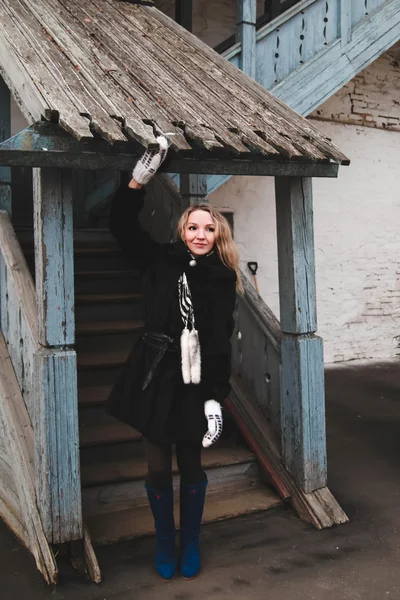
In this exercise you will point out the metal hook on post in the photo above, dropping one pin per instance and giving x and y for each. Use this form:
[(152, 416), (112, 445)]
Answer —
[(253, 268)]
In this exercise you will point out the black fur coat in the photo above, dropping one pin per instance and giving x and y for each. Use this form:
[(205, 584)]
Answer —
[(168, 410)]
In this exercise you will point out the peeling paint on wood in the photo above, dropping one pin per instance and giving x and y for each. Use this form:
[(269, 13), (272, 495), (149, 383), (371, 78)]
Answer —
[(295, 227), (302, 367), (53, 216), (18, 500), (57, 445)]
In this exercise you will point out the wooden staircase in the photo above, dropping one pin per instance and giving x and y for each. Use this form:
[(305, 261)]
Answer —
[(113, 465)]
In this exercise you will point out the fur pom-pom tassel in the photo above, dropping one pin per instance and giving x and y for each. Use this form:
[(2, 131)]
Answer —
[(185, 355), (195, 358)]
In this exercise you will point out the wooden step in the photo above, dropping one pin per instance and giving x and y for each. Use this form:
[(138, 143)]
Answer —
[(93, 396), (109, 298), (135, 467), (106, 327), (118, 280), (108, 306), (110, 274), (137, 521), (116, 433), (100, 360)]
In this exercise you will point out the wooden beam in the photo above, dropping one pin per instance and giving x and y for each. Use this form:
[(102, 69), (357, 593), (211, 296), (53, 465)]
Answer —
[(124, 162), (54, 259), (57, 472), (193, 189), (5, 133), (302, 369), (345, 22), (184, 13), (45, 144), (246, 17)]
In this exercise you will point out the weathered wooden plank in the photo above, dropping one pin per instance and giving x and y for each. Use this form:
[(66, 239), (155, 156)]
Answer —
[(54, 62), (303, 411), (5, 133), (31, 65), (18, 273), (265, 463), (16, 431), (184, 104), (54, 258), (108, 79), (90, 557), (57, 445), (256, 360), (254, 92), (193, 190), (201, 165), (296, 257), (246, 16), (252, 122), (18, 318), (63, 32), (345, 22)]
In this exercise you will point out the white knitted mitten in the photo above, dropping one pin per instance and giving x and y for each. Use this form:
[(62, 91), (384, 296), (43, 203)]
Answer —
[(147, 166), (213, 412)]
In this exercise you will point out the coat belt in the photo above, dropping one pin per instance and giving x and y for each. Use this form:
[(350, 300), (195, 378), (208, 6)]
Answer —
[(162, 342)]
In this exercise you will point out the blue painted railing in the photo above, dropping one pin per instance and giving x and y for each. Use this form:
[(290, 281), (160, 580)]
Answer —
[(296, 48)]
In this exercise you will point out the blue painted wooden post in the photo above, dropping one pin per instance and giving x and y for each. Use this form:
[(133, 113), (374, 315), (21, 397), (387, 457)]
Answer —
[(193, 189), (54, 256), (56, 420), (302, 371), (345, 22), (246, 16), (5, 134)]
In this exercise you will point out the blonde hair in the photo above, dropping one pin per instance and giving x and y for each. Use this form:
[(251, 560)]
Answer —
[(224, 243)]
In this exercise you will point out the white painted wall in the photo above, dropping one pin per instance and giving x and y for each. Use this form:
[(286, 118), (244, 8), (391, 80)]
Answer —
[(357, 221)]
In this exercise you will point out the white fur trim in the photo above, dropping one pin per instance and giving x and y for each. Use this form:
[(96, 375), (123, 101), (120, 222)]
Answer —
[(185, 355), (195, 358)]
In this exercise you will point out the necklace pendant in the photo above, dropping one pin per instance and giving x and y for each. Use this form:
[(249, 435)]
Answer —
[(192, 263)]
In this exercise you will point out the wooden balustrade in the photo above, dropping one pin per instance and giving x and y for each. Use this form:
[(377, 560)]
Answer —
[(256, 352)]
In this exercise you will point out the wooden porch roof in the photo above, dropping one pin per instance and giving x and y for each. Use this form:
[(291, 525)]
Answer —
[(127, 72)]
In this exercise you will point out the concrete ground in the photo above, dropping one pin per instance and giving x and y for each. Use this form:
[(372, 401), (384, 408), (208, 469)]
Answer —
[(275, 555)]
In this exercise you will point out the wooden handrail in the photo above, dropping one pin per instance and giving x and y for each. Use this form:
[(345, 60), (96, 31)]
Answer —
[(18, 271)]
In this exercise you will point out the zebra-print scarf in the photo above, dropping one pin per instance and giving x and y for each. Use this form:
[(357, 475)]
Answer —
[(190, 345)]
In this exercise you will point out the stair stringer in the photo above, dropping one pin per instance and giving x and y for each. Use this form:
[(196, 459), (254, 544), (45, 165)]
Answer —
[(325, 71), (18, 500)]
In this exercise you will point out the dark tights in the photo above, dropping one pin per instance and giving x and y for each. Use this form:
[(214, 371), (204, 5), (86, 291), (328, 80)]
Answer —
[(159, 463)]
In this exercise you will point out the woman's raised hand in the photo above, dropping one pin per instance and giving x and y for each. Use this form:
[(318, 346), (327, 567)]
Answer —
[(213, 412), (147, 166)]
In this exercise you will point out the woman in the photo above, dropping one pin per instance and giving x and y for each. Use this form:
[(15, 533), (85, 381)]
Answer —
[(177, 375)]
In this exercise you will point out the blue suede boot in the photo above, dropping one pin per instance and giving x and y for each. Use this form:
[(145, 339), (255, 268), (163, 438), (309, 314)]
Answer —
[(192, 505), (162, 506)]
